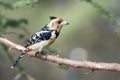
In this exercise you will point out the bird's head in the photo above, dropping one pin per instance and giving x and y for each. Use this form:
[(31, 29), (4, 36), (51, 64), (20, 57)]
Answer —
[(56, 23), (58, 20)]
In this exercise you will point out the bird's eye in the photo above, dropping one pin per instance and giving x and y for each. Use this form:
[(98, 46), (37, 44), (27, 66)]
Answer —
[(59, 22)]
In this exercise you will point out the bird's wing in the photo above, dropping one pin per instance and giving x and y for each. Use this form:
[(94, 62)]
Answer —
[(38, 37)]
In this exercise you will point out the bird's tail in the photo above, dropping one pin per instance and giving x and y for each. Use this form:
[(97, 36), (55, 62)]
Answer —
[(18, 60)]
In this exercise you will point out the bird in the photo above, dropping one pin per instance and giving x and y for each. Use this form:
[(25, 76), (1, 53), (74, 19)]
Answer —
[(43, 38)]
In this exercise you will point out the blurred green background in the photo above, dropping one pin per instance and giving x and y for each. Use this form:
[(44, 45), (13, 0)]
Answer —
[(93, 34)]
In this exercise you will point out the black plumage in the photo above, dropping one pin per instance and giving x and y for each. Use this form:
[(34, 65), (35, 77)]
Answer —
[(44, 34)]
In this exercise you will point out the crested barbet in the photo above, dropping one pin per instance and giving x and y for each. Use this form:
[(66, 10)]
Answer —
[(44, 37)]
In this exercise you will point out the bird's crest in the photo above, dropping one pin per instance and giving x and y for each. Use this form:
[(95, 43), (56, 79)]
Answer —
[(52, 17)]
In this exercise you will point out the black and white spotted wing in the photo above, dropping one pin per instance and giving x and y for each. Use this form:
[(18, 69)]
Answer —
[(38, 37)]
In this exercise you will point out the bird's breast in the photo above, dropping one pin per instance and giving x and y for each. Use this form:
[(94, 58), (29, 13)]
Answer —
[(51, 40), (42, 44)]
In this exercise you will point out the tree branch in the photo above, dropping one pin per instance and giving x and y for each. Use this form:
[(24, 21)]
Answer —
[(68, 62)]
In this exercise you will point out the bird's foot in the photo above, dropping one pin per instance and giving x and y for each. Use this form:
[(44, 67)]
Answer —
[(42, 53), (45, 53)]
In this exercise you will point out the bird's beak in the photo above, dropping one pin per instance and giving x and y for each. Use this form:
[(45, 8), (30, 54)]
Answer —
[(64, 23)]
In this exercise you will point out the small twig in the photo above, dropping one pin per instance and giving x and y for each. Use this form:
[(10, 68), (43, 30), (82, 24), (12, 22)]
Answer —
[(73, 63)]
